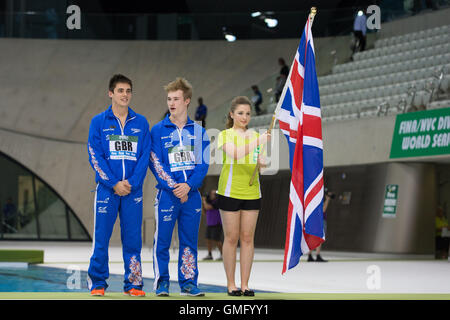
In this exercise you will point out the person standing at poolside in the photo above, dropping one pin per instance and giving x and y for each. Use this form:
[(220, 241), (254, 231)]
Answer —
[(239, 203), (179, 160), (119, 150)]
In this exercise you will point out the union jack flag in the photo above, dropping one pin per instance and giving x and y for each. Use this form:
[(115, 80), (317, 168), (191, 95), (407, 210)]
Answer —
[(298, 113)]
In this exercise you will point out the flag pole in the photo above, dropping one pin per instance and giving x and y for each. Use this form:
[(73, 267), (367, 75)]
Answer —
[(311, 16)]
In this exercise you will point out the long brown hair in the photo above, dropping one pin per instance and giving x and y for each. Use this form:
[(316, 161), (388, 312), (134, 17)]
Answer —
[(234, 103)]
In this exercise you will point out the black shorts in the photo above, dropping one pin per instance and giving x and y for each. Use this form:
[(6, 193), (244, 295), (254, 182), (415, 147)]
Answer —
[(442, 243), (214, 232), (232, 204)]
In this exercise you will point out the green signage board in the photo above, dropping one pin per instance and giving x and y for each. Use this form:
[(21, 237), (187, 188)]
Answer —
[(422, 133), (390, 201)]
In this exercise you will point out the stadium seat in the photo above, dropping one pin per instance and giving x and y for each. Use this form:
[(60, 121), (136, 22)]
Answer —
[(439, 104), (386, 73)]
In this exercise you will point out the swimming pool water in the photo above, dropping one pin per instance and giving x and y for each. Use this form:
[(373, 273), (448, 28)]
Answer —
[(47, 279)]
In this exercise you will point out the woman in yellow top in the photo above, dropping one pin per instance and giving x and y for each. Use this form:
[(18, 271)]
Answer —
[(239, 203)]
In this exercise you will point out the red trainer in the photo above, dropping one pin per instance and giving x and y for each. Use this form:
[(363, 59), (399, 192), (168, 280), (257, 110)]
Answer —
[(98, 292), (135, 293)]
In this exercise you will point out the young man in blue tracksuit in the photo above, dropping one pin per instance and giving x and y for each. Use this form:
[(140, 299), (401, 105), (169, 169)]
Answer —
[(179, 160), (119, 149)]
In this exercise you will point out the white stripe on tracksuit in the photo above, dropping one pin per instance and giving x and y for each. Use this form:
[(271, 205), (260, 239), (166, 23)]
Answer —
[(155, 241), (89, 281)]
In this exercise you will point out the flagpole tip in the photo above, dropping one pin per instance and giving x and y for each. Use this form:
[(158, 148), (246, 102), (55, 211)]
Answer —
[(313, 12)]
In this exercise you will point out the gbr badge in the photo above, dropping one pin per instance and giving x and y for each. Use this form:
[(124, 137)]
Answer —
[(123, 147), (181, 158)]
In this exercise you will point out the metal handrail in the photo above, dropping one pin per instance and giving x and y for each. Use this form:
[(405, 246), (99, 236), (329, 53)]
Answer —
[(400, 107), (411, 91), (430, 87)]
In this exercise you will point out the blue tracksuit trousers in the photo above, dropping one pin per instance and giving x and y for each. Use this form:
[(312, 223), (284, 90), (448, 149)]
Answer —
[(106, 206), (168, 210)]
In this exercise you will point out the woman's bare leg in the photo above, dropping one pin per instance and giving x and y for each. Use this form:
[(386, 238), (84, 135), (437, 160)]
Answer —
[(231, 227), (247, 235)]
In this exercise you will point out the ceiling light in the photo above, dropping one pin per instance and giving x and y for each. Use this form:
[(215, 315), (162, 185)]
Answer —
[(271, 23), (230, 37)]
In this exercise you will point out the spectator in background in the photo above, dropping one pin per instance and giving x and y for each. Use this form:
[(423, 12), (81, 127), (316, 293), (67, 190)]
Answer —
[(201, 112), (432, 4), (442, 241), (10, 215), (359, 30), (2, 26), (51, 25), (328, 197), (281, 79), (257, 99), (214, 232), (429, 4), (284, 71)]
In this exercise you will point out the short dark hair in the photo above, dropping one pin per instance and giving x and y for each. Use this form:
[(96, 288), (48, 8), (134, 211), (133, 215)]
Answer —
[(118, 78)]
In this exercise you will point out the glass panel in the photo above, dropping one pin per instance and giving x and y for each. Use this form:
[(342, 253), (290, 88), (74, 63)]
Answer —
[(52, 213), (77, 232), (17, 215), (19, 208)]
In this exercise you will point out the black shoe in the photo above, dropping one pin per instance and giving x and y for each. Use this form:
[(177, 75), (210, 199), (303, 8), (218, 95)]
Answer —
[(319, 259), (249, 293), (235, 293), (310, 258), (208, 257)]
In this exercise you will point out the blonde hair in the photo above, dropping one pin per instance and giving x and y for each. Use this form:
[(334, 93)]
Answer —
[(180, 84), (234, 103)]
